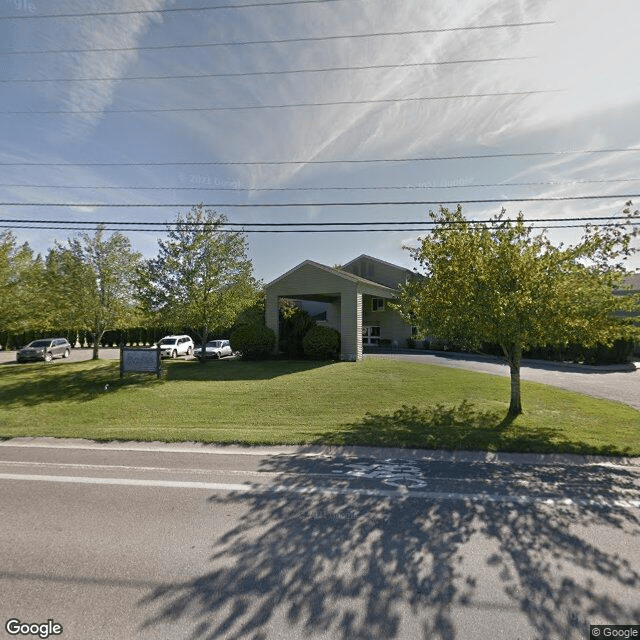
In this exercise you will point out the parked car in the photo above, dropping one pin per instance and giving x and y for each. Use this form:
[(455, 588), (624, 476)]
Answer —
[(45, 349), (174, 346), (215, 349)]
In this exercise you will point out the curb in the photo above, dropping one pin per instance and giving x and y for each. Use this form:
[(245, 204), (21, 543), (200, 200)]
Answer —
[(330, 451)]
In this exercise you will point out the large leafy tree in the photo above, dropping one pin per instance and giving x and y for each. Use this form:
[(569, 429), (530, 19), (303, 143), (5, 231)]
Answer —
[(201, 278), (91, 281), (22, 287), (501, 283)]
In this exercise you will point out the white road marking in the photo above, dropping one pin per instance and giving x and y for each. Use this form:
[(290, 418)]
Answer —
[(167, 449), (279, 488), (77, 465)]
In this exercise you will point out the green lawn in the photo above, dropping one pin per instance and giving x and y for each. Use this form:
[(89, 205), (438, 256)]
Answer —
[(372, 402)]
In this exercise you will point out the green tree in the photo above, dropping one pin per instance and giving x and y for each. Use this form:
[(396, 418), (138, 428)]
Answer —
[(500, 283), (91, 281), (22, 287), (201, 278)]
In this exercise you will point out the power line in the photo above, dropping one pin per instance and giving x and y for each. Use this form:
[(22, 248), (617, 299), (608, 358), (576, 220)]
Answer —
[(236, 43), (213, 205), (372, 223), (336, 188), (240, 74), (94, 14), (277, 106), (478, 156), (227, 230)]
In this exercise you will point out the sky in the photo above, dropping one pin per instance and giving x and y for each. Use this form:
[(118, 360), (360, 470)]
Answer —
[(416, 89)]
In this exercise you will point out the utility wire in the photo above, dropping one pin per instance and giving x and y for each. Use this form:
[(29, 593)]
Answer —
[(478, 156), (227, 230), (236, 43), (276, 106), (337, 188), (618, 196), (186, 223), (190, 76), (94, 14)]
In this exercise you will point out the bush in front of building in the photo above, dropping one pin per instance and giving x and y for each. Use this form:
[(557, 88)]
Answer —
[(253, 340), (321, 343)]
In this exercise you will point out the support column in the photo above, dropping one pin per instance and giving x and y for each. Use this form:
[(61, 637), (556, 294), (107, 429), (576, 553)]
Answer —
[(351, 326)]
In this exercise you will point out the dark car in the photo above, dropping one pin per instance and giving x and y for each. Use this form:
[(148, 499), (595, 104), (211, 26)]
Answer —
[(45, 349)]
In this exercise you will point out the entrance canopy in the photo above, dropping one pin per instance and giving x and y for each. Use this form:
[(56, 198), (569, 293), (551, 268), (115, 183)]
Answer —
[(314, 281)]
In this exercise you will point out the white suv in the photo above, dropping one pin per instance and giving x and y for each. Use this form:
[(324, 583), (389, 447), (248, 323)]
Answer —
[(174, 346)]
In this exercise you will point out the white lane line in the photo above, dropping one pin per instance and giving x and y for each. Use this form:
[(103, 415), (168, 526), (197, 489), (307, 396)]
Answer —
[(279, 488), (166, 449), (76, 465)]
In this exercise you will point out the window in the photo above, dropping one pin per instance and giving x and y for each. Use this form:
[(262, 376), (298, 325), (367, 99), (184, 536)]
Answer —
[(377, 304), (370, 335)]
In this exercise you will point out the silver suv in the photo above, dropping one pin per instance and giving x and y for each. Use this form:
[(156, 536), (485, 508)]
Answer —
[(45, 349), (174, 346), (215, 349)]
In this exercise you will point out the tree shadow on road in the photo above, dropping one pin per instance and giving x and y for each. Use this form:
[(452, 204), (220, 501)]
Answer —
[(349, 565)]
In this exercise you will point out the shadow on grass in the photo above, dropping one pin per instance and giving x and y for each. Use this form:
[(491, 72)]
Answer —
[(31, 385), (317, 559), (232, 369), (459, 427)]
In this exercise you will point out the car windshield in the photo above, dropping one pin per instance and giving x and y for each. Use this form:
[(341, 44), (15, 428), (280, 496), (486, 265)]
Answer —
[(214, 343), (39, 343), (168, 341)]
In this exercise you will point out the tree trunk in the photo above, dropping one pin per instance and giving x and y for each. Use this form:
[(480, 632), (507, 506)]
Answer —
[(96, 344), (513, 355), (203, 341)]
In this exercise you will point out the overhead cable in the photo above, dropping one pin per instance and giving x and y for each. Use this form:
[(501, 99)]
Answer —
[(192, 76), (475, 156), (341, 223), (237, 43), (94, 14), (247, 205), (276, 106), (241, 189)]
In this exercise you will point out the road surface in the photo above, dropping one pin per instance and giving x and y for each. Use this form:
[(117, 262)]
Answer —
[(143, 540)]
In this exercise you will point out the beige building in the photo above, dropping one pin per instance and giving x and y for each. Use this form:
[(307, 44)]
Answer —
[(355, 298)]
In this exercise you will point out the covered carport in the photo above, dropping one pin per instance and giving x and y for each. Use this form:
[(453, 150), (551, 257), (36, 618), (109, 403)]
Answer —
[(342, 290)]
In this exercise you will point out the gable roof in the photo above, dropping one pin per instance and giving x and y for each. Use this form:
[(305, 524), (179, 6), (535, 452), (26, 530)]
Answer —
[(345, 275), (384, 262)]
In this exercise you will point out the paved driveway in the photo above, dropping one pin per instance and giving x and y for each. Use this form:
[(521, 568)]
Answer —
[(601, 382)]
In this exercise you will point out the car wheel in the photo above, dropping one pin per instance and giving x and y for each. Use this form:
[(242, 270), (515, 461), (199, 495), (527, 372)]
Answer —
[(189, 351), (218, 355), (48, 357), (66, 353), (174, 354)]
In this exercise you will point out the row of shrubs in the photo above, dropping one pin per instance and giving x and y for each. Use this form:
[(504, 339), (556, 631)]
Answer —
[(620, 352), (257, 342)]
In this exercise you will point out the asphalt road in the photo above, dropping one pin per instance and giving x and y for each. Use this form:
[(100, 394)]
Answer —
[(151, 541)]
